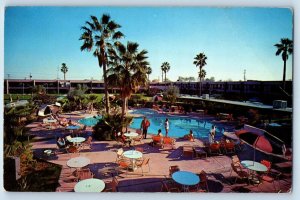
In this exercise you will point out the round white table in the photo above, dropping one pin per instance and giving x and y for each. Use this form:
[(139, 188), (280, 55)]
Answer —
[(133, 155), (254, 166), (89, 185), (78, 162), (77, 140), (186, 179), (131, 135)]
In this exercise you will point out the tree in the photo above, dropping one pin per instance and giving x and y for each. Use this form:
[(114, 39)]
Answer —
[(149, 71), (64, 70), (97, 35), (285, 48), (171, 94), (165, 67), (200, 61), (128, 70), (202, 75)]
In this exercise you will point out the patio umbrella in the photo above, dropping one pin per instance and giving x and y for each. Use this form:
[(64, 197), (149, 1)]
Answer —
[(262, 141)]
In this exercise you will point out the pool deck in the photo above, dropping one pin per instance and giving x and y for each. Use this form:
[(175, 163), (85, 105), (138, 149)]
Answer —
[(103, 156)]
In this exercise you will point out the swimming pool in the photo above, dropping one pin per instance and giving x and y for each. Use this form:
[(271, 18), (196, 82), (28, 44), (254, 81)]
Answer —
[(179, 125), (90, 121)]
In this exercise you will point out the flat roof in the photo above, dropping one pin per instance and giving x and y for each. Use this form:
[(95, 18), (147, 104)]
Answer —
[(241, 103)]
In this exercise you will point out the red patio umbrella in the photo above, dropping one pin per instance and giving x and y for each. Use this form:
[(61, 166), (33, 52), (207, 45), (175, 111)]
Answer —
[(262, 140)]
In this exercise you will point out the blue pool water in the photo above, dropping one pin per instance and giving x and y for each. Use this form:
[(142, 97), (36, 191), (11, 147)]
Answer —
[(90, 121), (179, 125)]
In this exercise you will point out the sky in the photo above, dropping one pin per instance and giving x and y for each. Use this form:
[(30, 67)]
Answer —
[(38, 40)]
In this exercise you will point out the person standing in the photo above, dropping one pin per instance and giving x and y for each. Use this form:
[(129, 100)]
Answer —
[(167, 126), (212, 134), (144, 126)]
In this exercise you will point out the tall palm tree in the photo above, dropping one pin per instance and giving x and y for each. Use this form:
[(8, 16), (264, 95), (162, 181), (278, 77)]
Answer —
[(200, 61), (165, 67), (285, 48), (96, 36), (128, 70), (64, 69), (149, 71)]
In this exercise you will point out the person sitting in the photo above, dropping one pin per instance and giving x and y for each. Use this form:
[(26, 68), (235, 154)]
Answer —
[(189, 136), (61, 143), (212, 133), (159, 133)]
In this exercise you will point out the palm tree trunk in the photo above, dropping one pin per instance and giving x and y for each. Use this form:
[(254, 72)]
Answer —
[(165, 76), (162, 76), (284, 71), (64, 76), (105, 89), (200, 86)]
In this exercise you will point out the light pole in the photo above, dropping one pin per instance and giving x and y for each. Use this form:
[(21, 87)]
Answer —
[(46, 87)]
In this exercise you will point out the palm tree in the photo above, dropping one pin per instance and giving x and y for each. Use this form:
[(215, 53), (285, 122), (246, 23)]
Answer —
[(202, 75), (64, 69), (200, 61), (98, 34), (149, 71), (165, 67), (128, 70), (285, 48)]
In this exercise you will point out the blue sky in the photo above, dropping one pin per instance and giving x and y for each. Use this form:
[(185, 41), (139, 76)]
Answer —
[(38, 39)]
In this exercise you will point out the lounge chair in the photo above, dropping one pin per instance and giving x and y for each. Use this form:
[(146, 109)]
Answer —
[(187, 150), (157, 140), (240, 172), (167, 141)]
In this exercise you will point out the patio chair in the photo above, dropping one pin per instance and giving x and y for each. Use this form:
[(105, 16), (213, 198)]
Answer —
[(87, 143), (84, 174), (270, 176), (172, 169), (156, 140), (139, 139), (214, 148), (203, 180), (187, 150), (229, 147), (119, 154), (112, 186), (123, 164), (199, 152), (167, 141), (169, 186), (242, 175), (142, 163)]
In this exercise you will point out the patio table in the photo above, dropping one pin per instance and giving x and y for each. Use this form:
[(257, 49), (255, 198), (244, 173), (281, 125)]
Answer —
[(77, 140), (131, 135), (254, 167), (186, 179), (78, 162), (72, 128), (90, 185), (133, 155)]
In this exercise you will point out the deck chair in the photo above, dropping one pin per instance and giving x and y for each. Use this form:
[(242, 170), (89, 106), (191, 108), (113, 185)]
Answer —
[(119, 154), (145, 162), (157, 140), (167, 141), (112, 186), (203, 180), (123, 164), (172, 169), (187, 150)]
